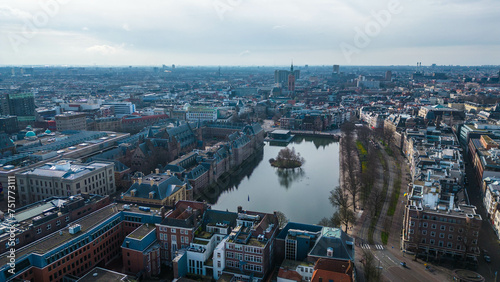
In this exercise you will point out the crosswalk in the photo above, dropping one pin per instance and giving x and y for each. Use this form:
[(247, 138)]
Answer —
[(368, 247)]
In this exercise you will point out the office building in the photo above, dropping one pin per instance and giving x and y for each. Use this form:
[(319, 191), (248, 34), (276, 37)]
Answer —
[(121, 108), (21, 105), (65, 178), (71, 121)]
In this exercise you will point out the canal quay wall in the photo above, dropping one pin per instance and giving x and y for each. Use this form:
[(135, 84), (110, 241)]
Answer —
[(225, 158), (334, 136)]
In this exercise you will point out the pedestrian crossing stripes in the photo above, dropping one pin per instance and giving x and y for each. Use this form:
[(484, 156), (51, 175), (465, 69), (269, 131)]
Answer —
[(368, 247)]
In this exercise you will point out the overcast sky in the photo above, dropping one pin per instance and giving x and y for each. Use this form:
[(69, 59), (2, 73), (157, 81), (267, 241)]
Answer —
[(249, 32)]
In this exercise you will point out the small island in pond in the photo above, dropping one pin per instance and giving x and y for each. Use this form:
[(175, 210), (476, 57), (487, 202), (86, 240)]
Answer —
[(287, 158)]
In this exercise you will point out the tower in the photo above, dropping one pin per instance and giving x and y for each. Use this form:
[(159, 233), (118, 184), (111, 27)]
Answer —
[(291, 80)]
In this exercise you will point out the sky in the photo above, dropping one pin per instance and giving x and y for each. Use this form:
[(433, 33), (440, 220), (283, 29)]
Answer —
[(249, 32)]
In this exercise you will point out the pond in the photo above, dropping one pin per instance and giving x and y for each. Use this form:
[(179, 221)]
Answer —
[(301, 193)]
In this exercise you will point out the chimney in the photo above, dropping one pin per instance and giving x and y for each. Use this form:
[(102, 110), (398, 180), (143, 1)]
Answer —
[(240, 209), (168, 172), (157, 170), (139, 180)]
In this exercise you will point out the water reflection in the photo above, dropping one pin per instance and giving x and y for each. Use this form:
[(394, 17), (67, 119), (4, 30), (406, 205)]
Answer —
[(230, 182), (318, 142), (286, 177)]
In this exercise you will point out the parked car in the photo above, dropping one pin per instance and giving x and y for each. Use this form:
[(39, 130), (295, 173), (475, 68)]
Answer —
[(487, 258)]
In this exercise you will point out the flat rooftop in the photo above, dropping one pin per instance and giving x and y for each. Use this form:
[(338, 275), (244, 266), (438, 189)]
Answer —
[(53, 240), (104, 275), (142, 231)]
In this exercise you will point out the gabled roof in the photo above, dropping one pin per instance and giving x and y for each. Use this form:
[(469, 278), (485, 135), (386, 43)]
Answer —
[(161, 185)]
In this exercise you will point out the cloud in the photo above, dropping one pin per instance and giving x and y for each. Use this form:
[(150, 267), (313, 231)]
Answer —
[(245, 53), (85, 28), (126, 27), (279, 26), (17, 13), (103, 49)]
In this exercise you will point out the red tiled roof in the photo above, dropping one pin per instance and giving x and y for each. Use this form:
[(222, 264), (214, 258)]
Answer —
[(289, 274), (327, 275)]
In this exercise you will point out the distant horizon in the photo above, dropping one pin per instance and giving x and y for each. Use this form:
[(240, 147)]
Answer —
[(249, 33), (217, 66)]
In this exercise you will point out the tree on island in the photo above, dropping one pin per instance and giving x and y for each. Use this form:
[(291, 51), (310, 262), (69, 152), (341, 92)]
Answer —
[(287, 158)]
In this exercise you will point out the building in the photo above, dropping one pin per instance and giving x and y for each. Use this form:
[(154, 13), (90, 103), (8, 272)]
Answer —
[(201, 114), (281, 76), (304, 250), (8, 124), (21, 105), (121, 108), (141, 251), (484, 155), (71, 121), (65, 178), (436, 227), (177, 229), (95, 238), (108, 124), (336, 69), (249, 249), (45, 217), (446, 115), (161, 189), (291, 80)]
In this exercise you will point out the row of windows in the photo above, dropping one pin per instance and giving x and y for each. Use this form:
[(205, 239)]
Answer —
[(443, 219), (255, 250), (67, 250), (69, 257), (105, 228), (231, 255), (253, 267)]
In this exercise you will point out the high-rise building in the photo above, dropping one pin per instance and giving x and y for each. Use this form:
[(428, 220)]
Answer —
[(336, 69), (281, 76), (21, 105), (388, 75)]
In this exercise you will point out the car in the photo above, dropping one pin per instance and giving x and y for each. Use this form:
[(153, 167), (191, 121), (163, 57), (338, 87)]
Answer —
[(403, 264), (487, 258)]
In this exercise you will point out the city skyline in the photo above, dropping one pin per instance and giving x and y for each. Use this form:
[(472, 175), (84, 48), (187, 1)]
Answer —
[(256, 33)]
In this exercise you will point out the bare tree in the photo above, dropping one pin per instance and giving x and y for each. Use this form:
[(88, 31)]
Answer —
[(282, 219), (344, 214), (370, 270)]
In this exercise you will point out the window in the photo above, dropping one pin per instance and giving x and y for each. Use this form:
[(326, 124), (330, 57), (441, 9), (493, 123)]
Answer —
[(433, 234), (412, 223), (182, 239), (441, 243), (49, 226), (450, 237), (425, 224), (423, 240), (431, 241), (474, 242), (449, 245), (460, 230), (67, 218), (172, 230), (441, 235), (433, 226), (442, 227), (424, 232), (452, 229), (411, 231), (39, 230)]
